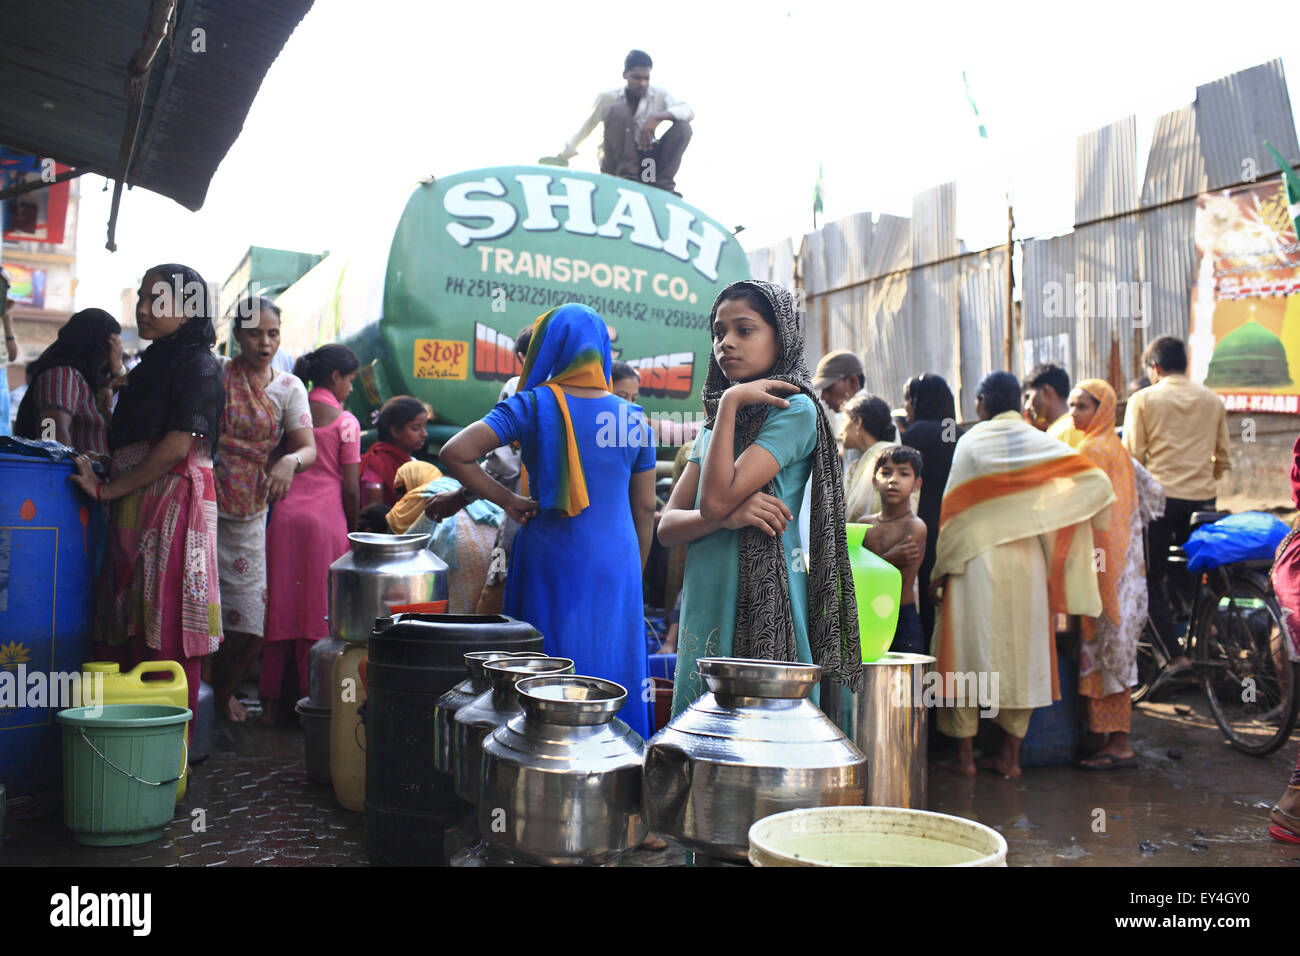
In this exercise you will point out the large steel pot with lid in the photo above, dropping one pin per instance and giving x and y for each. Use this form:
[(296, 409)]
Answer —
[(381, 571), (752, 746), (489, 711), (446, 706), (562, 779)]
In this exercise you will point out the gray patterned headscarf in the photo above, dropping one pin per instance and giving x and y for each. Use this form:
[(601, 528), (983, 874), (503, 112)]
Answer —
[(764, 621)]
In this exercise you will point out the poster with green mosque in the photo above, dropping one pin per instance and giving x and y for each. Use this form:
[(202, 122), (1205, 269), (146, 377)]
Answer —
[(1245, 329)]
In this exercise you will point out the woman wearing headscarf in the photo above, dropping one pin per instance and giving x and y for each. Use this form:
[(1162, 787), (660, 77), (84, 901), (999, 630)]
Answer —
[(1108, 655), (159, 591), (576, 563), (409, 483), (752, 587), (263, 406), (932, 430), (401, 425), (65, 384), (868, 427)]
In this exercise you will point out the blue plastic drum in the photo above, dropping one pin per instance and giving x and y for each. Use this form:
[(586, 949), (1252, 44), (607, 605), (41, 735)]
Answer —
[(47, 556)]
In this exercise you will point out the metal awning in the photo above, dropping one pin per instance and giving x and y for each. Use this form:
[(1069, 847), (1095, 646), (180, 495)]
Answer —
[(65, 67)]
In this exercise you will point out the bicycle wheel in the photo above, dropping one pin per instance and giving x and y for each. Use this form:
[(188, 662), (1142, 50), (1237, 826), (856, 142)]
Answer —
[(1246, 670), (1148, 664)]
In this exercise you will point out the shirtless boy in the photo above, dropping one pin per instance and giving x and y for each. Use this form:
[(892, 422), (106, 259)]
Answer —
[(898, 536)]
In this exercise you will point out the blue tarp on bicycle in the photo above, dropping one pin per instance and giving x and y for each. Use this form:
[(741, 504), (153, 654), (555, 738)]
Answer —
[(1249, 536)]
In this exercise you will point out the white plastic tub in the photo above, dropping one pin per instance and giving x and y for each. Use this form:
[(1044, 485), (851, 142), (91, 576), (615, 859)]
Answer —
[(873, 836)]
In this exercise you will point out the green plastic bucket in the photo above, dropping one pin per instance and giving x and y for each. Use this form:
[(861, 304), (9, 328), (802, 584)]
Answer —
[(119, 771)]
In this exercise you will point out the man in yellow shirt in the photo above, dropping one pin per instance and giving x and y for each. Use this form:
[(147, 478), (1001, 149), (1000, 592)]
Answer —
[(1047, 389), (1178, 430)]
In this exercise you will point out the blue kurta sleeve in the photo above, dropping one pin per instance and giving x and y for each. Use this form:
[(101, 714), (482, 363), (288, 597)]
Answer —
[(790, 434), (512, 419)]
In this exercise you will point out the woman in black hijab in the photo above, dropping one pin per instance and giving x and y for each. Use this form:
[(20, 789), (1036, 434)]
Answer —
[(159, 589), (931, 430), (66, 379)]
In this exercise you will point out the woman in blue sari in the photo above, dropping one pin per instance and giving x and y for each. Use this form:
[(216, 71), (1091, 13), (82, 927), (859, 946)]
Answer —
[(575, 568)]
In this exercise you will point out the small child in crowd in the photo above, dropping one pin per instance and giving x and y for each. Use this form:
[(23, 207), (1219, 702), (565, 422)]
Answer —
[(898, 536)]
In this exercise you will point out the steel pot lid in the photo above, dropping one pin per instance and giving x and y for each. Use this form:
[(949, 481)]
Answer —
[(370, 543), (740, 677), (570, 700)]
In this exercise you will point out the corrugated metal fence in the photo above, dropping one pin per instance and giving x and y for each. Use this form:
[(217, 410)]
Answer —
[(902, 294)]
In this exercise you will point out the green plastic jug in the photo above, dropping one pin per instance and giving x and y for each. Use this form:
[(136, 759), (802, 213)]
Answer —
[(878, 586)]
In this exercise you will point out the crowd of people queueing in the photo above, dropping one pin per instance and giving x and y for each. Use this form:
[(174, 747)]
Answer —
[(1000, 530)]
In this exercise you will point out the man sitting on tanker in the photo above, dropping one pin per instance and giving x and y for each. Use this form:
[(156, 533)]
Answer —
[(631, 115)]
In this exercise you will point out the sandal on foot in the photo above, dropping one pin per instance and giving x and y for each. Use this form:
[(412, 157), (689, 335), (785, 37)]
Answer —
[(1282, 834), (1108, 762)]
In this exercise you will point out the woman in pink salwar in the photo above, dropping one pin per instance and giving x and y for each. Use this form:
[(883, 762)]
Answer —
[(159, 597), (309, 527)]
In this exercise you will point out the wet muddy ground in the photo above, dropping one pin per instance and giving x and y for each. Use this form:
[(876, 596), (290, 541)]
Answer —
[(1207, 806)]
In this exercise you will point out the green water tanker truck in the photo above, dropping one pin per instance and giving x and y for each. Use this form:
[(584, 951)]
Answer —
[(479, 255)]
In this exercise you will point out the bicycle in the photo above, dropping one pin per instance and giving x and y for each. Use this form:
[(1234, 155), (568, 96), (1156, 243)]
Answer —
[(1240, 650)]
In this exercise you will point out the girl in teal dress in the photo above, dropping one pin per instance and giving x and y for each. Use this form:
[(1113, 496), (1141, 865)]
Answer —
[(752, 588)]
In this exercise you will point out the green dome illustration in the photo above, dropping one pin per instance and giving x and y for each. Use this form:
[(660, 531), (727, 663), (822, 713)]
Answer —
[(1249, 355)]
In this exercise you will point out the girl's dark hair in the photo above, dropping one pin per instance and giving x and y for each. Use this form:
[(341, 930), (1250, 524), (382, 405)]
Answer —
[(756, 301), (249, 311), (317, 368), (397, 412), (373, 518), (524, 339), (875, 415), (621, 370)]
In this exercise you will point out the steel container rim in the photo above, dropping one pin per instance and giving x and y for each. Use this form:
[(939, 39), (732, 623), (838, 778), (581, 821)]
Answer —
[(546, 698), (504, 675), (370, 544), (744, 677)]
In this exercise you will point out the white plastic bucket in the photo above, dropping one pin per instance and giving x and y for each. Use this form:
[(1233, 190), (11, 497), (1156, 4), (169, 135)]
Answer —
[(873, 836)]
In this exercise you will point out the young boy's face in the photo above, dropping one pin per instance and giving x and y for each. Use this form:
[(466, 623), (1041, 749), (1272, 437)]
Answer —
[(895, 481)]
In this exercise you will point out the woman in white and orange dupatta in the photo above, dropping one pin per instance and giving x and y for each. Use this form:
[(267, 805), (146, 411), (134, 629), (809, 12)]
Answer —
[(1108, 655), (1015, 546)]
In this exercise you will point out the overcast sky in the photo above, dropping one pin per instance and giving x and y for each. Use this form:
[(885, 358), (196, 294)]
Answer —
[(367, 98)]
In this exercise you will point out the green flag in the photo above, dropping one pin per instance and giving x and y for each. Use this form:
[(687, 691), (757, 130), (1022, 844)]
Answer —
[(1292, 186), (817, 191), (974, 109)]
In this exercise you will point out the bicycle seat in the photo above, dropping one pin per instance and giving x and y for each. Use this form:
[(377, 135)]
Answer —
[(1206, 517)]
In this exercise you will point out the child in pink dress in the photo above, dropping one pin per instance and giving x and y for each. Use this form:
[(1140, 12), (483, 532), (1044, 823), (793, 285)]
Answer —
[(309, 527)]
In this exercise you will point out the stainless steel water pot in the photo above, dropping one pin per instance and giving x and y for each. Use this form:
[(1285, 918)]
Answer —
[(446, 706), (489, 711), (752, 746), (562, 779), (380, 572)]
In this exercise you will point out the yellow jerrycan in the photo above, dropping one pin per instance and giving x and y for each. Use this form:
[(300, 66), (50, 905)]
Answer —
[(132, 688), (347, 735)]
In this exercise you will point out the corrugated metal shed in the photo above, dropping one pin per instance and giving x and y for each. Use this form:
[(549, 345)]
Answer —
[(1090, 300), (1168, 257), (983, 323), (1105, 171), (1235, 114), (1175, 166), (63, 68), (1047, 303)]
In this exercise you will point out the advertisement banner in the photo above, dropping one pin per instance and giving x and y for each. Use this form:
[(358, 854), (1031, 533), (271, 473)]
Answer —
[(1245, 328), (40, 215)]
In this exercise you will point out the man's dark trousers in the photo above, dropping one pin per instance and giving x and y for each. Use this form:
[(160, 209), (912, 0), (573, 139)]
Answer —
[(623, 158)]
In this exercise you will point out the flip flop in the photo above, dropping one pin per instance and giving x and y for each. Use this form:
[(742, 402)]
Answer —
[(1282, 834), (1108, 762)]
